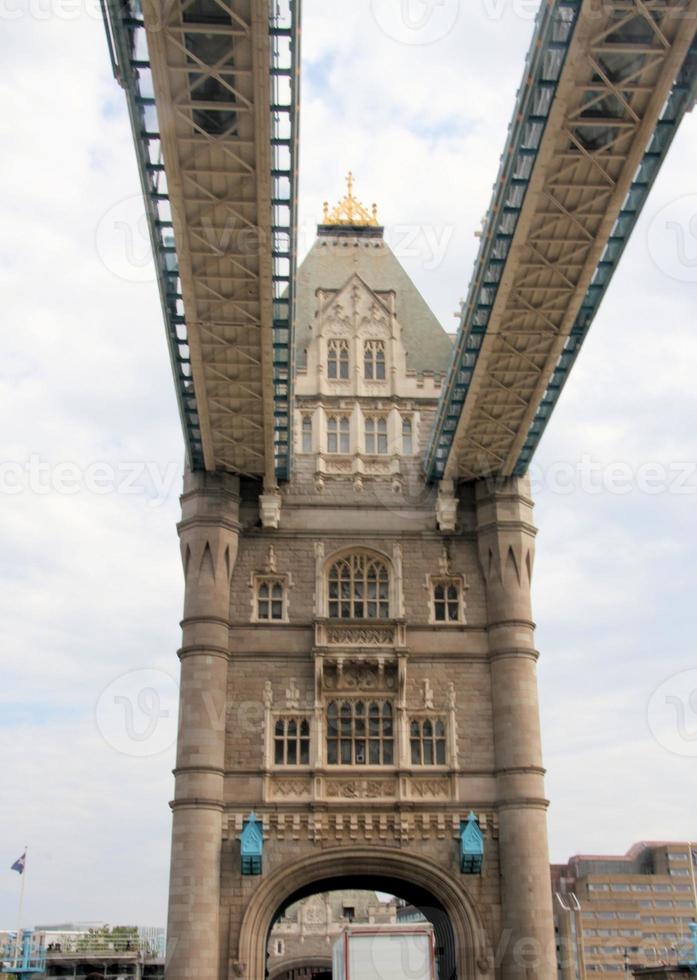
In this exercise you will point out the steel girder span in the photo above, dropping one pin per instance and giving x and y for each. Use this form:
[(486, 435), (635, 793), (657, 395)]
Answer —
[(605, 87), (212, 88)]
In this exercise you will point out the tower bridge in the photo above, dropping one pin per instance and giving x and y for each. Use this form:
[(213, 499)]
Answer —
[(358, 691)]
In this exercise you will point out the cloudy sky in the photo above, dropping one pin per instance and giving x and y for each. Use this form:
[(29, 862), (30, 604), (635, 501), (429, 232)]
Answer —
[(91, 588)]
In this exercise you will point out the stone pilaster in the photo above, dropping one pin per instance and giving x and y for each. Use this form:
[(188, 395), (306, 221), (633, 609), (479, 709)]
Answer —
[(209, 535), (506, 541)]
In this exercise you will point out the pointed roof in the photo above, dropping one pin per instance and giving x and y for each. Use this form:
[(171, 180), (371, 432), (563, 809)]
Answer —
[(338, 254)]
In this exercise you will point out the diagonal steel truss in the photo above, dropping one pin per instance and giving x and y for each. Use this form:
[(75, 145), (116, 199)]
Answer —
[(605, 87), (213, 98)]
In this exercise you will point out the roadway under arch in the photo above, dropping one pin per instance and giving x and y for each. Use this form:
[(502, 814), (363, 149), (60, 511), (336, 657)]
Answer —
[(463, 947)]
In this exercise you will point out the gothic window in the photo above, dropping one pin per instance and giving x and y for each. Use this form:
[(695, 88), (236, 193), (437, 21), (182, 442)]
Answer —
[(374, 360), (307, 433), (270, 598), (407, 436), (359, 588), (292, 742), (376, 435), (360, 733), (338, 428), (447, 604), (338, 359), (427, 738)]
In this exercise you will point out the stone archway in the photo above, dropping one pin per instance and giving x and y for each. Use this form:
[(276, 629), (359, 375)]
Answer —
[(471, 955), (314, 965)]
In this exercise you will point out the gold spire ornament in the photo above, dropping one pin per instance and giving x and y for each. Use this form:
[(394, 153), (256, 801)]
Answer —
[(350, 211)]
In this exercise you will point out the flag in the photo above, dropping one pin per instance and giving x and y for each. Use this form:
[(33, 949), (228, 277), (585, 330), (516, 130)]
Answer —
[(20, 864)]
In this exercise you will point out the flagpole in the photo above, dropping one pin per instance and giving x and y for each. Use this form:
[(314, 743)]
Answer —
[(20, 911), (691, 847)]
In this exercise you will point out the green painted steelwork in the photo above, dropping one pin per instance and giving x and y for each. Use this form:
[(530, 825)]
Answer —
[(544, 63), (553, 33), (125, 31), (681, 98)]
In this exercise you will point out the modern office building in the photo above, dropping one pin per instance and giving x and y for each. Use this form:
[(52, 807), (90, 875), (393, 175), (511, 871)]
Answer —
[(613, 913)]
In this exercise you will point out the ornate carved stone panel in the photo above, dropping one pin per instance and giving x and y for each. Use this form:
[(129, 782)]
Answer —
[(359, 675), (360, 789), (288, 788), (359, 635)]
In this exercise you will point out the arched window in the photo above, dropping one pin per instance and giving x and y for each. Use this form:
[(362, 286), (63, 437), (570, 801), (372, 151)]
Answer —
[(360, 733), (446, 601), (374, 360), (307, 434), (359, 588), (407, 436), (270, 598), (338, 359), (338, 429), (376, 435), (292, 742), (427, 738)]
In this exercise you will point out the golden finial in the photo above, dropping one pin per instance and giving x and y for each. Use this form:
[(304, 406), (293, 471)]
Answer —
[(350, 211)]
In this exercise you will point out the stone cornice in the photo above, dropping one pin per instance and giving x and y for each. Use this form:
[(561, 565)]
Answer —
[(515, 623), (205, 520), (202, 650), (194, 620), (211, 770), (197, 803), (513, 652), (523, 803), (505, 525), (521, 770)]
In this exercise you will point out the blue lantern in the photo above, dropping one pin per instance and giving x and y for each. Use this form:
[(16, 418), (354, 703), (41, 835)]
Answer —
[(252, 846), (471, 846)]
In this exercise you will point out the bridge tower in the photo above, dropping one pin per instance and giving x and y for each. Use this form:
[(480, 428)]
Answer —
[(358, 692)]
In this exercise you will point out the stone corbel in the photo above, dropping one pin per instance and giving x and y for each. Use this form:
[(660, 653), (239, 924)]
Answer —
[(270, 509), (446, 506)]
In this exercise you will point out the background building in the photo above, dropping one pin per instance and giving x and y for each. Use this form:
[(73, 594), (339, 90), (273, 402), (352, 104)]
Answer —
[(300, 944), (85, 951), (614, 912)]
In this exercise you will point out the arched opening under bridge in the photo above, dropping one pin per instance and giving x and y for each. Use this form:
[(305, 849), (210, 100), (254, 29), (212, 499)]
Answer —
[(462, 949)]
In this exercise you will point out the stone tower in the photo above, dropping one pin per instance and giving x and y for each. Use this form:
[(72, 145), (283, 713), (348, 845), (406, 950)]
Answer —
[(358, 691)]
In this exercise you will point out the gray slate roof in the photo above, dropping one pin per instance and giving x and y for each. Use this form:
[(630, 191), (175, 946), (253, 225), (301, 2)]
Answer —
[(332, 261)]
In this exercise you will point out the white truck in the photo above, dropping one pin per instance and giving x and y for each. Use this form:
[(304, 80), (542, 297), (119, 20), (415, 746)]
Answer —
[(389, 952)]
